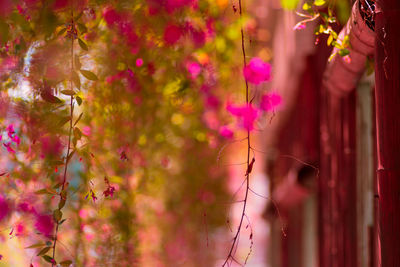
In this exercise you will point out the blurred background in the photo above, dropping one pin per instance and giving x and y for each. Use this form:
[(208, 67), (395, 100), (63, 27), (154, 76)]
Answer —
[(138, 109)]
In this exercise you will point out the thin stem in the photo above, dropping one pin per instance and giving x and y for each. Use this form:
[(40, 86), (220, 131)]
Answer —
[(70, 129), (235, 239)]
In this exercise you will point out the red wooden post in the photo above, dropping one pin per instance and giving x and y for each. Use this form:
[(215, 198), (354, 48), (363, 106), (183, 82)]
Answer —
[(387, 95)]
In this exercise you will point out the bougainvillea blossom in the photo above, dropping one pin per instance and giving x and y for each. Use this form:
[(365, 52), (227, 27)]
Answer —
[(226, 132), (246, 113), (270, 101), (172, 34), (44, 224), (257, 71)]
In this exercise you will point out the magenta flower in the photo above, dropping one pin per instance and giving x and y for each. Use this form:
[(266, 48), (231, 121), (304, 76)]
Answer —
[(172, 34), (257, 71), (44, 224), (270, 101), (10, 130), (111, 16), (139, 62), (226, 132), (246, 114), (4, 208), (194, 69), (9, 148), (16, 139)]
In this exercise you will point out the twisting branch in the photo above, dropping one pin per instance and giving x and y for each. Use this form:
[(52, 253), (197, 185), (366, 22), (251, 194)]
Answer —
[(62, 193), (235, 241)]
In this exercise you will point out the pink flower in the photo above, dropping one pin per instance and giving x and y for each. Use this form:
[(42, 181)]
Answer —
[(194, 69), (172, 34), (111, 16), (226, 132), (10, 130), (173, 5), (299, 26), (257, 71), (270, 101), (133, 83), (44, 224), (199, 38), (87, 130), (16, 139), (51, 146), (139, 62), (9, 148), (4, 208), (246, 113), (26, 207), (212, 101)]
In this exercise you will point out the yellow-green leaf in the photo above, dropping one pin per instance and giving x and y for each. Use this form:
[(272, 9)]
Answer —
[(319, 2), (37, 245), (43, 251), (89, 75), (67, 92), (82, 44), (66, 263)]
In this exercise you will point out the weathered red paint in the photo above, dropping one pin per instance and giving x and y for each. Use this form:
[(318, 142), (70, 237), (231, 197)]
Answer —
[(387, 95)]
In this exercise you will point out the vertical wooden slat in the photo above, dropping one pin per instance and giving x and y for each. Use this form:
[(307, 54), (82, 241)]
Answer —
[(387, 93)]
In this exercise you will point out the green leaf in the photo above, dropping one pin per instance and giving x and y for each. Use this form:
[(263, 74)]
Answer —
[(78, 100), (77, 133), (57, 214), (66, 263), (344, 52), (70, 155), (307, 6), (78, 119), (62, 221), (48, 258), (289, 4), (76, 80), (319, 2), (61, 122), (58, 185), (68, 92), (43, 251), (37, 245), (61, 32), (41, 191), (61, 204), (82, 28), (82, 44), (330, 39), (89, 75)]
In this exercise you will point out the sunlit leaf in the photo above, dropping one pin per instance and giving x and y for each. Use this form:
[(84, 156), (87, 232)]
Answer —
[(43, 251), (37, 245), (68, 92), (48, 258), (78, 119), (57, 214), (319, 2), (66, 263), (289, 4), (82, 44), (89, 75)]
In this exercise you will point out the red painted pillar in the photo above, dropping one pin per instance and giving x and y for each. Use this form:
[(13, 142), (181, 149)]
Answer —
[(387, 95)]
